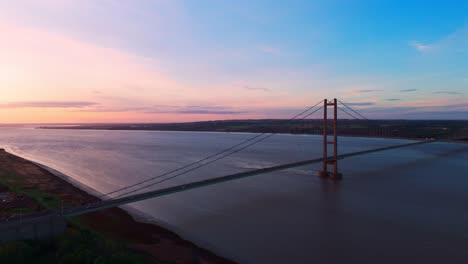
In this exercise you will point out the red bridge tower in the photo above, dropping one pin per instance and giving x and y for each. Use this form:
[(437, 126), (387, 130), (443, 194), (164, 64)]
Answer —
[(334, 175)]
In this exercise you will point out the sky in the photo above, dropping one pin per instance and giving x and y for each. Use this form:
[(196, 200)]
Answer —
[(93, 61)]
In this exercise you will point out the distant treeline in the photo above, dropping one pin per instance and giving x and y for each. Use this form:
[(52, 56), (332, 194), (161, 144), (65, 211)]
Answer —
[(440, 129)]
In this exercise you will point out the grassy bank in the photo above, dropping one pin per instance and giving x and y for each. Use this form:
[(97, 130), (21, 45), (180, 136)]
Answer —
[(78, 244), (107, 236)]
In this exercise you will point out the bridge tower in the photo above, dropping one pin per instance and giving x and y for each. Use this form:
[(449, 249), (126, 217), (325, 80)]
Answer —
[(334, 175)]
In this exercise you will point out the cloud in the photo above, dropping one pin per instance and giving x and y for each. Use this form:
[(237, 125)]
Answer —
[(408, 90), (454, 43), (169, 109), (360, 104), (115, 110), (421, 47), (269, 50), (256, 88), (441, 109), (370, 90), (196, 109), (48, 104), (444, 92), (393, 99), (209, 111)]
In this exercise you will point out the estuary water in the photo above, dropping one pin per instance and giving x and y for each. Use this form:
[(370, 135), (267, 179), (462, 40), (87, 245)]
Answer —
[(401, 206)]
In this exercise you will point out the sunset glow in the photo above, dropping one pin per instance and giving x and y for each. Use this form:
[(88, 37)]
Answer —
[(172, 61)]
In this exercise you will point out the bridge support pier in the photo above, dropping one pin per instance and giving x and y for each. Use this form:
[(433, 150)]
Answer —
[(325, 173)]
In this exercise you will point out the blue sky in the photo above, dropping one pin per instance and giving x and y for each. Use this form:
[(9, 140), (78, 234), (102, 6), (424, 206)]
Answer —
[(254, 59)]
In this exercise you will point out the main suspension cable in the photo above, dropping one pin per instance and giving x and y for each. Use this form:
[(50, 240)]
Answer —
[(209, 157), (205, 164), (345, 105)]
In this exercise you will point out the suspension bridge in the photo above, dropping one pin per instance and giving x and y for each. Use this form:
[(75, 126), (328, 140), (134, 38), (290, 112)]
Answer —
[(140, 191)]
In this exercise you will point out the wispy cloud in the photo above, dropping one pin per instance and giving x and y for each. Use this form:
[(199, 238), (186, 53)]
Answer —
[(360, 103), (393, 99), (215, 109), (445, 92), (421, 47), (269, 49), (209, 111), (370, 90), (117, 109), (170, 109), (250, 88), (48, 104), (408, 90), (424, 110)]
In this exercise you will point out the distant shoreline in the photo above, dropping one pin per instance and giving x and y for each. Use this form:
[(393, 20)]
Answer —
[(396, 129)]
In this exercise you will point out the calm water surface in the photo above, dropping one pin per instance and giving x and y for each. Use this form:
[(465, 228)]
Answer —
[(401, 206)]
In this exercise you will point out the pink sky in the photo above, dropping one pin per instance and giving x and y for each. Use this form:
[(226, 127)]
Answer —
[(148, 61), (49, 77)]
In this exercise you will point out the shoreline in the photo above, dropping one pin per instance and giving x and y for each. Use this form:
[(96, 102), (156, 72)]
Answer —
[(457, 140), (138, 215), (150, 238)]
